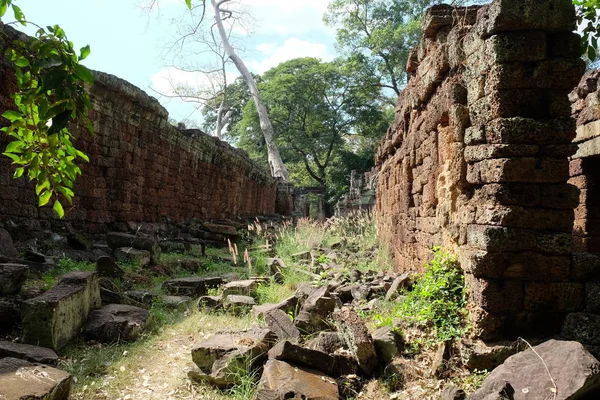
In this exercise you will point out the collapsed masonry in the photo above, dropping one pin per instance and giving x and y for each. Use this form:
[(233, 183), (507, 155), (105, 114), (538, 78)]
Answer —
[(479, 160)]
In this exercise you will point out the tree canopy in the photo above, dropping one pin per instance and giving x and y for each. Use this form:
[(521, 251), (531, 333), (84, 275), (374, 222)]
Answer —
[(321, 114)]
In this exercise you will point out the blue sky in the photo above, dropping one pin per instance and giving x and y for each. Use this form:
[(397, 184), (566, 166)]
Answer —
[(128, 42)]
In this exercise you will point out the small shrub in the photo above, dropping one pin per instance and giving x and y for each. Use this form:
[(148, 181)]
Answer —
[(438, 298)]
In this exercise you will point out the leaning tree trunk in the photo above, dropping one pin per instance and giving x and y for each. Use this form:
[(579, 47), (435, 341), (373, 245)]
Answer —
[(278, 169)]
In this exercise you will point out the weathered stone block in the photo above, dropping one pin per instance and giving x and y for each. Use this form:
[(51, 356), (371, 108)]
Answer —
[(54, 318), (522, 46), (12, 277), (357, 337), (530, 131), (28, 352), (117, 240), (519, 15), (280, 323), (569, 369), (20, 379), (557, 297), (281, 380), (496, 296), (521, 170), (304, 357), (582, 327), (510, 265), (7, 248), (245, 288), (192, 286), (116, 322)]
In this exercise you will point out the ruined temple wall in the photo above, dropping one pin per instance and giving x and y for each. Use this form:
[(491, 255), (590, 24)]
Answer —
[(141, 168), (585, 163), (477, 160)]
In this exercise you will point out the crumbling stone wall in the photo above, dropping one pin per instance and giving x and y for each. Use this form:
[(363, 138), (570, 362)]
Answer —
[(361, 196), (477, 160), (585, 163), (141, 168)]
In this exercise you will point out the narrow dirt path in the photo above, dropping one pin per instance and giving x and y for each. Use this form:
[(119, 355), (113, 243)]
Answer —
[(157, 369)]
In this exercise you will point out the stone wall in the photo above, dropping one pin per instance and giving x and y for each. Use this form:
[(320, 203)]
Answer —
[(477, 160), (141, 168), (585, 164)]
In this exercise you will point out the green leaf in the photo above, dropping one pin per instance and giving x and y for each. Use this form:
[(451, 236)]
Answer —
[(19, 172), (3, 8), (84, 52), (45, 198), (22, 62), (84, 73), (14, 146), (59, 209), (82, 155), (188, 3), (592, 53), (12, 115), (12, 156), (19, 15)]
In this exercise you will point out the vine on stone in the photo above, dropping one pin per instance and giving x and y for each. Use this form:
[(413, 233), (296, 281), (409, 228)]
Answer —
[(51, 94)]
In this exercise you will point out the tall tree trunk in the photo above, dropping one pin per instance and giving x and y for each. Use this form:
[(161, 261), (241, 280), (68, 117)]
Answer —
[(278, 169)]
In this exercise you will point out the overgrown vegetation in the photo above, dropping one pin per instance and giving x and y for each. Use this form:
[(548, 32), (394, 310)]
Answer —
[(438, 298), (51, 93)]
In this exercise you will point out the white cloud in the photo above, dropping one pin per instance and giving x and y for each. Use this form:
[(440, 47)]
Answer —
[(291, 48), (267, 48), (289, 17)]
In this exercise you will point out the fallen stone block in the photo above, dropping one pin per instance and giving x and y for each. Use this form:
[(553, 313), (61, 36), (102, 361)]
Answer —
[(388, 343), (556, 370), (184, 302), (7, 249), (106, 267), (239, 304), (487, 356), (327, 342), (193, 286), (220, 357), (281, 380), (129, 255), (280, 323), (54, 318), (117, 240), (210, 303), (22, 380), (28, 352), (399, 283), (116, 322), (315, 311), (288, 306), (10, 312), (354, 332), (244, 288), (302, 356), (140, 297), (12, 277)]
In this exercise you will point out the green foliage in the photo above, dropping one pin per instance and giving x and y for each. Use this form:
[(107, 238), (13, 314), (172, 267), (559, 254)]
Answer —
[(50, 94), (376, 37), (438, 298), (588, 19), (321, 116), (437, 301)]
